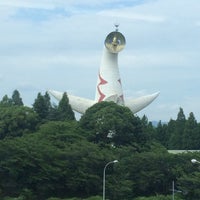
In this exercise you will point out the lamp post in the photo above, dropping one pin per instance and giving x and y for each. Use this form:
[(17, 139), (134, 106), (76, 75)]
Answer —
[(104, 176), (195, 161), (172, 190)]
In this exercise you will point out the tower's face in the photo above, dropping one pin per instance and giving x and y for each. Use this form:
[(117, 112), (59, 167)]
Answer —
[(115, 42)]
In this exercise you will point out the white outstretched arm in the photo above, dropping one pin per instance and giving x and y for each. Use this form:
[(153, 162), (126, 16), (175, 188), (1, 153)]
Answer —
[(135, 105), (77, 103)]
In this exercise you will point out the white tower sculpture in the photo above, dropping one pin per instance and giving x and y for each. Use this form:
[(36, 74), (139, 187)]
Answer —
[(109, 86)]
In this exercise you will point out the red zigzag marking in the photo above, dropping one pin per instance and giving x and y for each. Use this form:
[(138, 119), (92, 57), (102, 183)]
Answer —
[(102, 82)]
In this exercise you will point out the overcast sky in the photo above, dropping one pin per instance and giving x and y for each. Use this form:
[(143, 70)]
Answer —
[(57, 44)]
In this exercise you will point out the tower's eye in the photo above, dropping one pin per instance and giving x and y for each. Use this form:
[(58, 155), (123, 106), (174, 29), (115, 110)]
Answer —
[(115, 42)]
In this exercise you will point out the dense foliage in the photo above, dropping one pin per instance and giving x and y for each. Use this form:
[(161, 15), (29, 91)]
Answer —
[(46, 154), (181, 133)]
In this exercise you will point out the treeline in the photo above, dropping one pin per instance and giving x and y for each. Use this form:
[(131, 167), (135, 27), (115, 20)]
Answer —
[(180, 134), (45, 153)]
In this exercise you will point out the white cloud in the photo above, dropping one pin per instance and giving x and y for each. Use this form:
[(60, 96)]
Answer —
[(45, 4), (130, 15)]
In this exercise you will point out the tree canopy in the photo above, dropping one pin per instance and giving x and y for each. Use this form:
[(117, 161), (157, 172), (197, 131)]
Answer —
[(46, 154), (108, 122)]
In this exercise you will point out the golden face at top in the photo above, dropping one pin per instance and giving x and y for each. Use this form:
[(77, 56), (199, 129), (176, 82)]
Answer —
[(115, 42)]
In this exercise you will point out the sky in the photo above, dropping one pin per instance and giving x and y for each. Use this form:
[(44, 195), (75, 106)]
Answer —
[(58, 44)]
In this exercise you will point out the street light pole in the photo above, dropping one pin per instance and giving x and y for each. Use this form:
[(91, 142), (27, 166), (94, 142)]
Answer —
[(172, 190), (104, 176)]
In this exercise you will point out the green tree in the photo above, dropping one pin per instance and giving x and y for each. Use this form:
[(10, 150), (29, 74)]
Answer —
[(16, 99), (162, 135), (177, 129), (181, 116), (42, 106), (158, 197), (17, 120), (64, 110), (6, 101), (55, 161), (189, 184), (150, 172), (191, 133), (108, 122), (148, 128)]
